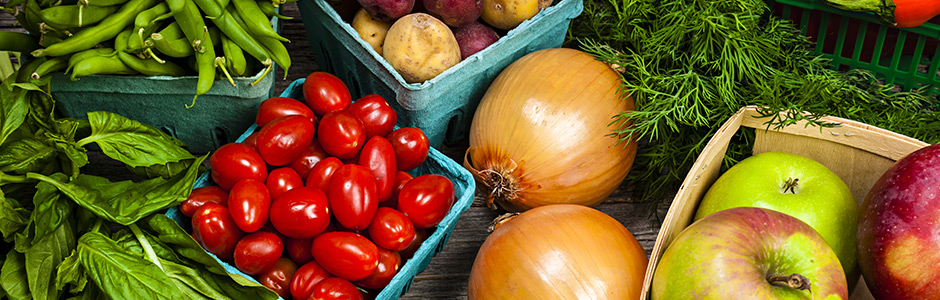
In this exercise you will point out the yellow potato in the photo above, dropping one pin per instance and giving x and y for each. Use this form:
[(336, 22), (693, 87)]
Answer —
[(507, 14), (370, 29), (420, 46)]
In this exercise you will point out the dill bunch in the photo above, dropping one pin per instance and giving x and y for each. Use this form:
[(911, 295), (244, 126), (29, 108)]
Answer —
[(691, 64)]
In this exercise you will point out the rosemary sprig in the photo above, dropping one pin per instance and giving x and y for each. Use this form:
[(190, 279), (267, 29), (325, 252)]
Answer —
[(691, 64)]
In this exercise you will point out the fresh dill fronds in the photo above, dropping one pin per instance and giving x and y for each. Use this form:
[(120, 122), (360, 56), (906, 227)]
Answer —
[(691, 64)]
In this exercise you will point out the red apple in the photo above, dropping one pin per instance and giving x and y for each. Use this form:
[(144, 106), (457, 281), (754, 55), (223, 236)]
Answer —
[(749, 253), (899, 229)]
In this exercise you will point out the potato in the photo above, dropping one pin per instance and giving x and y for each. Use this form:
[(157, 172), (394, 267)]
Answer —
[(455, 13), (474, 37), (387, 10), (507, 14), (419, 47), (370, 29)]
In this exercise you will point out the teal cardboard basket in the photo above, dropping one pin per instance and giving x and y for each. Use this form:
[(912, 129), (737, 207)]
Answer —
[(436, 163), (443, 107), (218, 117)]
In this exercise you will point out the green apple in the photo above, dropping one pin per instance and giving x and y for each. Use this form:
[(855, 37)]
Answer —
[(749, 253), (797, 186)]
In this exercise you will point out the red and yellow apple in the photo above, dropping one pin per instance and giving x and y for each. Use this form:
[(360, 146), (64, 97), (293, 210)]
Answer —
[(749, 253), (899, 229)]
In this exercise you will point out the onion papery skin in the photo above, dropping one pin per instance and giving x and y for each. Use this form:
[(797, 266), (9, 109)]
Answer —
[(561, 251), (542, 134)]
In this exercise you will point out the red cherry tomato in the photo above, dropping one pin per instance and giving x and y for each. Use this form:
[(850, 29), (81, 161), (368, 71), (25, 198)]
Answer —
[(309, 158), (284, 139), (275, 107), (420, 236), (252, 140), (335, 288), (341, 134), (233, 162), (299, 250), (426, 199), (300, 213), (378, 156), (401, 178), (324, 92), (308, 275), (347, 255), (203, 195), (376, 115), (257, 252), (281, 180), (278, 278), (391, 229), (215, 230), (352, 196), (389, 263), (249, 203), (321, 173), (411, 147)]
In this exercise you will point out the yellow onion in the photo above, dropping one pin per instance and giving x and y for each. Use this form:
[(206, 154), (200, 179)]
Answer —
[(561, 251), (542, 134)]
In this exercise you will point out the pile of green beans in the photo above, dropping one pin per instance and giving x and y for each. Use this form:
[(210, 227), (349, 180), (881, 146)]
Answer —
[(153, 38)]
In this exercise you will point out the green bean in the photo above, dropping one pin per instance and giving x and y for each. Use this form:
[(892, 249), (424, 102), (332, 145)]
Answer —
[(175, 6), (82, 55), (49, 40), (69, 16), (220, 63), (230, 25), (17, 42), (120, 41), (145, 19), (211, 8), (278, 52), (51, 65), (151, 67), (268, 8), (172, 31), (215, 35), (31, 18), (174, 48), (105, 30), (234, 57), (26, 70), (193, 26), (257, 23), (26, 20), (101, 2), (101, 65)]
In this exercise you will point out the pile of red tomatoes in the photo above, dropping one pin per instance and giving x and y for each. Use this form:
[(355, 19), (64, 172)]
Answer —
[(317, 203)]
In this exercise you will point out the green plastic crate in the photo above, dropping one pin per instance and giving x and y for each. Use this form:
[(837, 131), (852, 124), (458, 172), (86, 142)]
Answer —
[(907, 57), (218, 117), (436, 163), (442, 107)]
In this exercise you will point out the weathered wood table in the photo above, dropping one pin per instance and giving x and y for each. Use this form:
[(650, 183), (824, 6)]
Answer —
[(446, 276)]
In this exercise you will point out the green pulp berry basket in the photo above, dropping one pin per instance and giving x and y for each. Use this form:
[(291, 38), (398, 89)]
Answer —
[(218, 117), (907, 57), (443, 106), (436, 163)]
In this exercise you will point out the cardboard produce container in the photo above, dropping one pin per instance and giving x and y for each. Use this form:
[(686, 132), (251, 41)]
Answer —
[(857, 152), (443, 106)]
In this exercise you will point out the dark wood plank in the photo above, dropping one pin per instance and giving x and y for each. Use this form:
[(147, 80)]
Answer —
[(447, 275)]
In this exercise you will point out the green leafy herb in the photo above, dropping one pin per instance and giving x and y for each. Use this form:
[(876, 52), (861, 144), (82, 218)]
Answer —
[(13, 217), (690, 65), (13, 278), (133, 143), (25, 155), (71, 272), (123, 275), (43, 258), (13, 109)]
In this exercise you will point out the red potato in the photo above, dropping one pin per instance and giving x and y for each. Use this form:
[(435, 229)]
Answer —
[(455, 13), (473, 37), (387, 10)]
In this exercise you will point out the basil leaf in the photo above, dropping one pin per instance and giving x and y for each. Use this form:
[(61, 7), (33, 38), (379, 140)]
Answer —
[(13, 217), (43, 258), (70, 271), (51, 210), (168, 232), (25, 155), (13, 109), (13, 278), (123, 275), (125, 202), (41, 111), (134, 143), (165, 170)]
